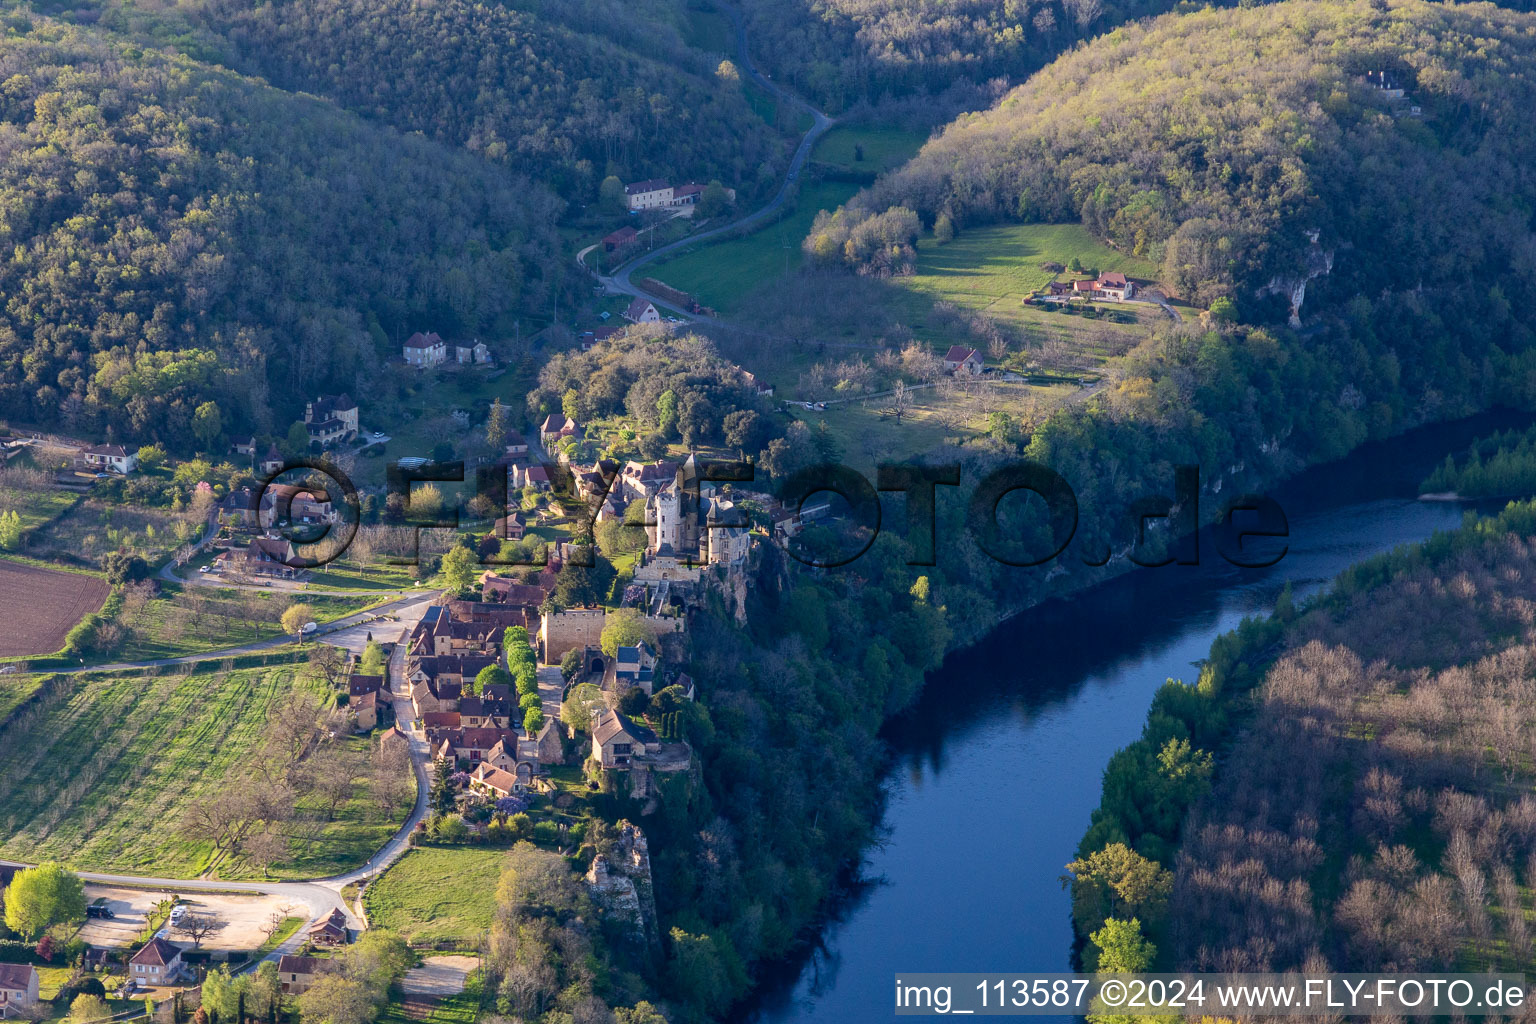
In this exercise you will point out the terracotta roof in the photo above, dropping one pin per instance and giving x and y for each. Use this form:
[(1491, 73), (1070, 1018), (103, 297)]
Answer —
[(637, 308), (115, 451), (156, 952), (359, 685), (419, 340), (289, 964), (16, 977), (1112, 279), (958, 354), (441, 720)]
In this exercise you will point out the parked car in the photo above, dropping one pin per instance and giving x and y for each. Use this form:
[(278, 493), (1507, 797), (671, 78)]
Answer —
[(308, 628), (204, 568), (98, 911), (178, 912)]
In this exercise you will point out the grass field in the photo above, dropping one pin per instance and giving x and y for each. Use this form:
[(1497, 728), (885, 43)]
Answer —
[(194, 620), (102, 775), (885, 149), (868, 434), (92, 528), (14, 690), (35, 503), (709, 29), (719, 274), (437, 893)]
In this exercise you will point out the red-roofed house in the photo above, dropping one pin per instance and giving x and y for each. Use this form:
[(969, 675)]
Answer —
[(425, 350), (1113, 286), (960, 359), (157, 962), (18, 989)]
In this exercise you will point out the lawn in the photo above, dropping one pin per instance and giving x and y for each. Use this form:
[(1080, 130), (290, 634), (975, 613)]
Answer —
[(101, 775), (14, 690), (194, 620), (867, 434), (434, 894), (708, 29), (277, 938), (885, 149), (92, 528), (720, 274), (36, 503)]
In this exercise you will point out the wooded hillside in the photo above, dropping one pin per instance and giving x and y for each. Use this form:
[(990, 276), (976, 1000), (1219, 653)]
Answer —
[(178, 234), (1221, 143)]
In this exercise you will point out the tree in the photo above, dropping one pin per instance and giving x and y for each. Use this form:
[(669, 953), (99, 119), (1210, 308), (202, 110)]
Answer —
[(295, 617), (372, 662), (1120, 948), (626, 627), (207, 424), (335, 999), (579, 704), (727, 73), (459, 569), (426, 503), (496, 425), (10, 530), (611, 195), (633, 702), (151, 456), (124, 567), (714, 200), (491, 675), (329, 663), (533, 721), (1117, 881), (943, 229), (570, 665), (297, 440), (1223, 310), (45, 895), (88, 1008), (901, 400)]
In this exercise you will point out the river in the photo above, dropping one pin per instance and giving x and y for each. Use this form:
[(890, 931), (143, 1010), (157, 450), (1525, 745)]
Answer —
[(995, 772)]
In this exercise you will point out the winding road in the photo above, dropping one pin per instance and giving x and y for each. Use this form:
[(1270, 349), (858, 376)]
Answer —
[(621, 284)]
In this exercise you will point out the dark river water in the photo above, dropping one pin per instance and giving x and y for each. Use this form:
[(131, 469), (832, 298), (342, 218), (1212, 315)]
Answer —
[(996, 771)]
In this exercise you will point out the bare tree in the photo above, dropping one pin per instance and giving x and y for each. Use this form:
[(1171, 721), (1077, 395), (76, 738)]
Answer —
[(198, 925), (901, 400)]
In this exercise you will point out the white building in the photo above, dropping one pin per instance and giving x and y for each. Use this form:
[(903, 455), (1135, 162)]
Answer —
[(650, 194), (111, 457)]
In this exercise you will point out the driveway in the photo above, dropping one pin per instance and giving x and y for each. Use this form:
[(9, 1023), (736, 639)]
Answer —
[(439, 977)]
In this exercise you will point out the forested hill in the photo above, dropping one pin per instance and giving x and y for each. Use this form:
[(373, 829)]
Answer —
[(175, 233), (844, 51), (1221, 142), (566, 93)]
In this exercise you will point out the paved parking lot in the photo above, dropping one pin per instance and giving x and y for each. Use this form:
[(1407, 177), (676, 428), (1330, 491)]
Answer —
[(244, 920)]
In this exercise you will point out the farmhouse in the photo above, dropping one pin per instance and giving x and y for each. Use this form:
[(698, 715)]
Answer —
[(557, 426), (297, 973), (331, 931), (1114, 287), (961, 360), (157, 962), (641, 311), (511, 527), (365, 711), (425, 350), (477, 354), (516, 444), (110, 457), (271, 556), (648, 195), (492, 780), (18, 989), (535, 476), (359, 685)]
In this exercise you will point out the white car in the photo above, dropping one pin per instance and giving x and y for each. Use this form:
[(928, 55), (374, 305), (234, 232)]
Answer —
[(204, 568)]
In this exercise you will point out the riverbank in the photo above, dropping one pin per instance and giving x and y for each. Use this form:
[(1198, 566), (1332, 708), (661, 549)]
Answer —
[(998, 764)]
